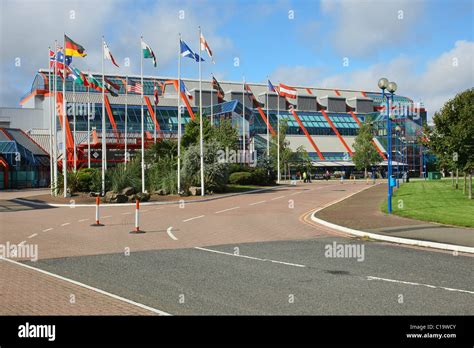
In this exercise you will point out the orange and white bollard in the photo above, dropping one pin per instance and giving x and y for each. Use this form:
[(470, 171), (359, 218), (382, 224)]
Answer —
[(97, 213), (137, 218)]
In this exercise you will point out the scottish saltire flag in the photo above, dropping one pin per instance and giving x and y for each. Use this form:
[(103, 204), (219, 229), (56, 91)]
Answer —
[(187, 52), (184, 90)]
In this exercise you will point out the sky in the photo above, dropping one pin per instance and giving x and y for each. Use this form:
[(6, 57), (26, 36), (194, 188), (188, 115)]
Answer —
[(425, 46)]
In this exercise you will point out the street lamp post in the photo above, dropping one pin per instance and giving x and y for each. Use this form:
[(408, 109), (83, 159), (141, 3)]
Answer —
[(391, 87)]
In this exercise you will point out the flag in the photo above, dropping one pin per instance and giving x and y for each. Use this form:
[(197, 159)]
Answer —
[(73, 49), (218, 88), (78, 76), (93, 83), (309, 91), (155, 94), (137, 88), (205, 47), (187, 52), (256, 103), (271, 88), (58, 59), (286, 91), (111, 87), (108, 55), (184, 90), (148, 52)]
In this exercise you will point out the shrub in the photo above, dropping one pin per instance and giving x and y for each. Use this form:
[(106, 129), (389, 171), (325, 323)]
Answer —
[(240, 178), (88, 179), (121, 177), (162, 175)]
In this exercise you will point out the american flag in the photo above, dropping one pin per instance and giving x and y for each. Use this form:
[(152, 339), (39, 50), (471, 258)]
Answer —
[(137, 88)]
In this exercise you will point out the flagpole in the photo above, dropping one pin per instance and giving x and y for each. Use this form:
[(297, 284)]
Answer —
[(268, 122), (179, 114), (50, 124), (142, 117), (243, 119), (55, 121), (104, 137), (278, 137), (126, 120), (212, 103), (74, 118), (201, 117), (64, 121), (88, 125)]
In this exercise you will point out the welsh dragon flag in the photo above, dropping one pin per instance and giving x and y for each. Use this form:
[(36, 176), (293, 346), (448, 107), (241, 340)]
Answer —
[(148, 52)]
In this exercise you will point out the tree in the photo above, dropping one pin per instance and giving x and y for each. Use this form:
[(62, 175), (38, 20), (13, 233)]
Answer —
[(192, 131), (285, 151), (365, 154), (452, 138), (226, 134)]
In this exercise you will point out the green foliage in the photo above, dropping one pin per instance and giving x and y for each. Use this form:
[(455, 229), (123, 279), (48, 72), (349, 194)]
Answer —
[(365, 154), (285, 151), (215, 173), (226, 134), (240, 178), (88, 180), (191, 132), (123, 176), (452, 139)]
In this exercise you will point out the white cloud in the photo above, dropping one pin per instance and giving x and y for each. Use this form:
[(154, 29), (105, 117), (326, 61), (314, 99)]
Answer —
[(440, 80), (28, 27), (362, 28)]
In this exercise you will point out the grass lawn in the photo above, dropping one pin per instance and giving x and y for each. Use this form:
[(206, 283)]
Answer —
[(435, 201)]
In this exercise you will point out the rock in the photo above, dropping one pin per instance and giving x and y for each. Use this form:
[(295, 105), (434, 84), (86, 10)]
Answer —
[(160, 192), (109, 196), (143, 196), (121, 198), (128, 191), (94, 194), (195, 191)]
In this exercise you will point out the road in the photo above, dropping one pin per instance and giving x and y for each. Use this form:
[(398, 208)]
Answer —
[(256, 253)]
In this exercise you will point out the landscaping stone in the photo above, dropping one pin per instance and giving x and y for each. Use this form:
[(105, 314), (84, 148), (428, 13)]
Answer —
[(195, 191), (128, 191), (121, 198), (143, 196)]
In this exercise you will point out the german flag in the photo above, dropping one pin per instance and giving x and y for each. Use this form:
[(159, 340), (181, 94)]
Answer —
[(73, 49)]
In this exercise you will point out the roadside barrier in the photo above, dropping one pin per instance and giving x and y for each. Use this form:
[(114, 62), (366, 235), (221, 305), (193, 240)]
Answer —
[(137, 218), (97, 213)]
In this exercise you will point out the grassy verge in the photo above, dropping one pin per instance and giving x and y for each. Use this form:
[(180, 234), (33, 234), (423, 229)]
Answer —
[(435, 201)]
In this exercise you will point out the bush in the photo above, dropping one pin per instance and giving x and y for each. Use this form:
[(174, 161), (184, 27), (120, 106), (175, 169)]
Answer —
[(88, 179), (162, 175), (240, 178), (260, 177), (121, 177)]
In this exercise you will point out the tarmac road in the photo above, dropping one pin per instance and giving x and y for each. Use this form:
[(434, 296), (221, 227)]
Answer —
[(247, 254)]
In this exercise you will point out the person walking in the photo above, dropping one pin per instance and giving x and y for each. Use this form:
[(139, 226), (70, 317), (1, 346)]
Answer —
[(304, 177)]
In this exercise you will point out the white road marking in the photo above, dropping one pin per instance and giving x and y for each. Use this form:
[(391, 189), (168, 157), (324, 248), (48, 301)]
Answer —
[(249, 257), (274, 199), (66, 223), (196, 217), (296, 193), (222, 211), (123, 299), (172, 236), (82, 220), (48, 229), (33, 235), (257, 203), (127, 213), (106, 217), (420, 284)]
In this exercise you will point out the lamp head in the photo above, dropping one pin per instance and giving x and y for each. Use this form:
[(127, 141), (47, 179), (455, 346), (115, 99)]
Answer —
[(392, 87), (383, 83)]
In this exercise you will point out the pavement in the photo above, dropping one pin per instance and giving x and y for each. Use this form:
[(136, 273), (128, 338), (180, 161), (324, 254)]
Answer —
[(362, 212), (257, 253)]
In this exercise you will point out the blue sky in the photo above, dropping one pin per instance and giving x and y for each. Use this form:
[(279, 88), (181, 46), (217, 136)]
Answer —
[(298, 42)]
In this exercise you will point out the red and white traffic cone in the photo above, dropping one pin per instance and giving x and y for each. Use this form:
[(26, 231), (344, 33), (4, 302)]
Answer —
[(137, 218), (97, 214)]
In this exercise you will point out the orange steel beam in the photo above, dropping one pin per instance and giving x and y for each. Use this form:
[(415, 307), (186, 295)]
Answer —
[(343, 142), (111, 117), (183, 96), (373, 141), (152, 113), (264, 118), (307, 134)]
